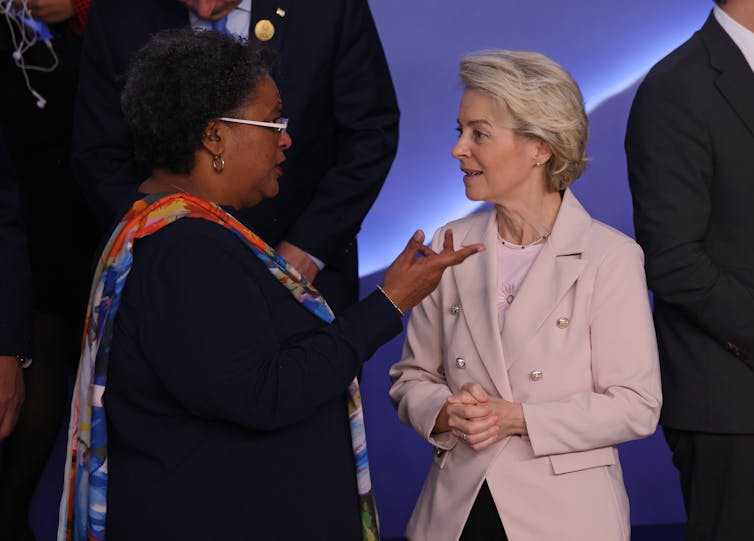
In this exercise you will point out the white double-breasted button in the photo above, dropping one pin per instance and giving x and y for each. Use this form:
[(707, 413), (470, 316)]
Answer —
[(562, 322), (536, 375), (455, 309), (460, 362)]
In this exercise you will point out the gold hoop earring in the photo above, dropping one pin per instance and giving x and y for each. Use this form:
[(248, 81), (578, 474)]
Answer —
[(218, 163)]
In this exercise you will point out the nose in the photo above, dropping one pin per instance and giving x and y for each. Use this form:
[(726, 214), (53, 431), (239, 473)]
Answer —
[(460, 149), (285, 141)]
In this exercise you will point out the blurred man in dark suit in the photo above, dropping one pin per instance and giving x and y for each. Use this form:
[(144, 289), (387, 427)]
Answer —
[(689, 145)]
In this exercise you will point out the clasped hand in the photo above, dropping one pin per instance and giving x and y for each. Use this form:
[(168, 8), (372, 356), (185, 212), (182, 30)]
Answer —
[(479, 420)]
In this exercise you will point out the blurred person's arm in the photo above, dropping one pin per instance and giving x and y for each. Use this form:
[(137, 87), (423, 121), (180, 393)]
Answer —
[(671, 171), (366, 140), (15, 298), (103, 159)]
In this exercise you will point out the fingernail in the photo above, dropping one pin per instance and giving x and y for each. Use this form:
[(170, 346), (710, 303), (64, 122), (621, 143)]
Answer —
[(418, 235)]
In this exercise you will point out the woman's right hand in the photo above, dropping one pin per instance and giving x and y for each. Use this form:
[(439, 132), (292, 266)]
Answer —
[(416, 272)]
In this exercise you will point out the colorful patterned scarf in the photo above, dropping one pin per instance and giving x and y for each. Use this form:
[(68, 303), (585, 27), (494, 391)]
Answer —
[(83, 508)]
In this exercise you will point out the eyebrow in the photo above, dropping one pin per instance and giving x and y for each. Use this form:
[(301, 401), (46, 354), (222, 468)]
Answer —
[(477, 122), (276, 110)]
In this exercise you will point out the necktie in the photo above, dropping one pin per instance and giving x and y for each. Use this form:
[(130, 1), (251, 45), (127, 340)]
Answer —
[(221, 25)]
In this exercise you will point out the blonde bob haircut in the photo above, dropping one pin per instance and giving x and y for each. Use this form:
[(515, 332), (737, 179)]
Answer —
[(543, 101)]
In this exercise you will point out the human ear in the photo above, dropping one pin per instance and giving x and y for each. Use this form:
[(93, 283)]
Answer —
[(542, 151), (213, 139)]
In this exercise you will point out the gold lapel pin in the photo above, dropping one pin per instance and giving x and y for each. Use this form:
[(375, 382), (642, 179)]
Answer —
[(264, 30), (280, 12)]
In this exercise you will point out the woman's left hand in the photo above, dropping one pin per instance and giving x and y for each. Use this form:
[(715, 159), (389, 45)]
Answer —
[(509, 415)]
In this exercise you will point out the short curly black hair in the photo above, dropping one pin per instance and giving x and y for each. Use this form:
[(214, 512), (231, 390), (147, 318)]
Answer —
[(180, 80)]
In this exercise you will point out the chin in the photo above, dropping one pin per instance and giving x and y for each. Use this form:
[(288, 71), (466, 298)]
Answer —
[(472, 196), (272, 190)]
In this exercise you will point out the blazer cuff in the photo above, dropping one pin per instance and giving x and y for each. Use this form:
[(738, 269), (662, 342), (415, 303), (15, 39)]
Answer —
[(536, 437), (443, 440)]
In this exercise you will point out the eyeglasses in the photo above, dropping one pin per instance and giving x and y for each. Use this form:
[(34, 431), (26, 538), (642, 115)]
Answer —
[(279, 127)]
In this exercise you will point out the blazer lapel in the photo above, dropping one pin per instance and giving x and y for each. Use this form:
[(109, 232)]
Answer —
[(557, 267), (477, 281), (271, 13), (736, 79)]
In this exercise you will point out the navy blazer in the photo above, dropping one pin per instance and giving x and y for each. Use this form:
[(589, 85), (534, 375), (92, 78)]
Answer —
[(226, 400), (689, 144), (15, 271), (336, 90)]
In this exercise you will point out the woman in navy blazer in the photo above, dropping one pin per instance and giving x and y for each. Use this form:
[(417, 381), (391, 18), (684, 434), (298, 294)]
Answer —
[(226, 398)]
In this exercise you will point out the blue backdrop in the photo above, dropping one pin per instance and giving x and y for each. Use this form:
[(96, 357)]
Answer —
[(607, 47)]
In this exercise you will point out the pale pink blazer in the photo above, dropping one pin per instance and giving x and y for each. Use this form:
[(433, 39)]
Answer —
[(578, 351)]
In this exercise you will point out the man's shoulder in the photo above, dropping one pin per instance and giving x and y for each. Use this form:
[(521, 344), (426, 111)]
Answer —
[(686, 63)]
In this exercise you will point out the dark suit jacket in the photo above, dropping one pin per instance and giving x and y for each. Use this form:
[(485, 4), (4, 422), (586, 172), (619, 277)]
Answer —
[(336, 90), (690, 143), (15, 272), (226, 398)]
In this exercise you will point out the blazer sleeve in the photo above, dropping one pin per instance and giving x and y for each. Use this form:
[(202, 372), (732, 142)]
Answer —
[(15, 271), (624, 403), (366, 131), (419, 389), (103, 159), (670, 170), (216, 347)]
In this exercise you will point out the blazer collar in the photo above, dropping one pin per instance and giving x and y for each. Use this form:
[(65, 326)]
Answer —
[(477, 280), (554, 271), (736, 79), (556, 268)]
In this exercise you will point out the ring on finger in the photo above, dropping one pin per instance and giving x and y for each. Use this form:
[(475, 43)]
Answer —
[(463, 435)]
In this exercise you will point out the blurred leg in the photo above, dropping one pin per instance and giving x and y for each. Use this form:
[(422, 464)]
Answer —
[(717, 481)]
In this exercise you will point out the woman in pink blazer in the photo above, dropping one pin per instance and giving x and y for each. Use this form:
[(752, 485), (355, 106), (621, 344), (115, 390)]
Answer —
[(531, 361)]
